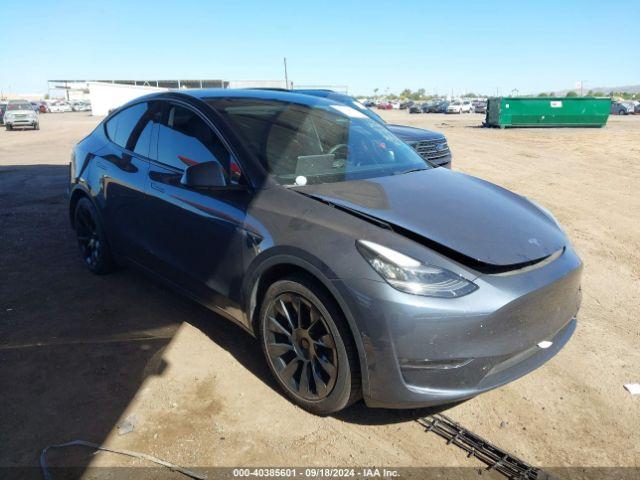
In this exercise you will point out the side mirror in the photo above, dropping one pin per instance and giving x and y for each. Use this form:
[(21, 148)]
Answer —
[(204, 175)]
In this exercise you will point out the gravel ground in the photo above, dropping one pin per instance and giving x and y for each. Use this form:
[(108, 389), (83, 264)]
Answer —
[(79, 354)]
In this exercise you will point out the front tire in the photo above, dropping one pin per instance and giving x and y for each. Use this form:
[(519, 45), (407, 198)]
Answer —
[(92, 241), (308, 346)]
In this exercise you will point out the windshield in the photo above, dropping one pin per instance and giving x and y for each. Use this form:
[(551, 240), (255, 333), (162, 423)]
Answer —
[(19, 106), (301, 144)]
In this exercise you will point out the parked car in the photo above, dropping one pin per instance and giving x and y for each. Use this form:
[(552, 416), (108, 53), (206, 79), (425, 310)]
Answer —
[(385, 106), (432, 146), (406, 104), (479, 107), (459, 106), (35, 106), (55, 107), (20, 113), (58, 107), (622, 108), (636, 109), (362, 271), (455, 107), (3, 109), (415, 109), (43, 107), (424, 107), (80, 106), (439, 107)]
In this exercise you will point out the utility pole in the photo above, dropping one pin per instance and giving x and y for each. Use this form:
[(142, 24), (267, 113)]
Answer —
[(286, 75)]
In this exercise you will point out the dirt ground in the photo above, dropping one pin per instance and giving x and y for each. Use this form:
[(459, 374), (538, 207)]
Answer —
[(80, 353)]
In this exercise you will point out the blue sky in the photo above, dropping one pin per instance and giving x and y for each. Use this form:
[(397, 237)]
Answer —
[(461, 45)]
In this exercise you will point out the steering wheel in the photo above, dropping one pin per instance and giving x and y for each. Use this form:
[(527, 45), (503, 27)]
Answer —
[(337, 147)]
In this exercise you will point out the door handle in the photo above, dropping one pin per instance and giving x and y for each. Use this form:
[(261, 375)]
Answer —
[(157, 187)]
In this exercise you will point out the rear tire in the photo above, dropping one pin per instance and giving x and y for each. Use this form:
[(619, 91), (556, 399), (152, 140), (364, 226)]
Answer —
[(308, 346), (92, 242), (9, 127), (36, 126)]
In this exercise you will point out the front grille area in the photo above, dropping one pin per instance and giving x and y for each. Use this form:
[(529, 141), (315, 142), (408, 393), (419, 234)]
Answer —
[(432, 149)]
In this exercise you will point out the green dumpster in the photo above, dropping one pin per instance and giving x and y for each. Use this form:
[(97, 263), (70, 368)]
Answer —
[(547, 112)]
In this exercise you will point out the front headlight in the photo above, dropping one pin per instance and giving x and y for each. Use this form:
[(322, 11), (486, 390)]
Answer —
[(411, 276)]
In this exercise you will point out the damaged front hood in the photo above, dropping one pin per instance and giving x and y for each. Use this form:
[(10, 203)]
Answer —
[(459, 215)]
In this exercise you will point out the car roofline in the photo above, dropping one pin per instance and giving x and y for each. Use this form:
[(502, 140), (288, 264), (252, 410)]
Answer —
[(246, 93)]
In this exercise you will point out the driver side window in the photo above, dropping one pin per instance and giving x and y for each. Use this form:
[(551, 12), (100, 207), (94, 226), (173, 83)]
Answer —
[(185, 139)]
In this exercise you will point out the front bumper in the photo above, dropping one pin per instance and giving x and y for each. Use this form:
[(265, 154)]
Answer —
[(444, 162), (21, 122), (424, 351)]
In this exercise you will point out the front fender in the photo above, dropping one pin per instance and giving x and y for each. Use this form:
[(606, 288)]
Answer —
[(288, 256)]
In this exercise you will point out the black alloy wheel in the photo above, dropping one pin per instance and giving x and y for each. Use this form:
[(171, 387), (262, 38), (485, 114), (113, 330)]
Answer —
[(91, 240), (308, 346), (301, 347)]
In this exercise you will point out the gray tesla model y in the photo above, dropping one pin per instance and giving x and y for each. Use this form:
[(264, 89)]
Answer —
[(362, 270)]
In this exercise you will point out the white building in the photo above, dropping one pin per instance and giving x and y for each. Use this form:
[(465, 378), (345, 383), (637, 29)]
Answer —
[(106, 95)]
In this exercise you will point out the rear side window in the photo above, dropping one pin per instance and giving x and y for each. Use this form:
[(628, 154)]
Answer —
[(185, 139), (132, 128), (112, 126)]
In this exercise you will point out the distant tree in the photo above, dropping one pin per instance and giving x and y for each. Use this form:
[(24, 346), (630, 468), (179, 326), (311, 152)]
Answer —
[(406, 93), (571, 93), (46, 96), (470, 95), (597, 94), (417, 95), (375, 92), (542, 94)]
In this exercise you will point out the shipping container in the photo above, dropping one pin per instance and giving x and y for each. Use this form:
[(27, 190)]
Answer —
[(547, 112)]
